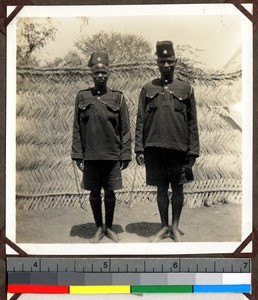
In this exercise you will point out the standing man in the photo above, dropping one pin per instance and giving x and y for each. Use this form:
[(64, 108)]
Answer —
[(167, 139), (101, 143)]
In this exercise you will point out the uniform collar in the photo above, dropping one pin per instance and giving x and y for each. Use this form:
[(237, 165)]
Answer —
[(158, 84), (165, 82), (96, 92)]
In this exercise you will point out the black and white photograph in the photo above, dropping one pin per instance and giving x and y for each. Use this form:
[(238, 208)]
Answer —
[(129, 129)]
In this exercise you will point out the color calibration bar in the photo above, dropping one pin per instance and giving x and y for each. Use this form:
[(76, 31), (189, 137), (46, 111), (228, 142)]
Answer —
[(126, 276), (124, 289), (92, 283)]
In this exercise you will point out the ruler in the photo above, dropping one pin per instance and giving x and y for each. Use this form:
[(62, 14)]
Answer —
[(128, 275)]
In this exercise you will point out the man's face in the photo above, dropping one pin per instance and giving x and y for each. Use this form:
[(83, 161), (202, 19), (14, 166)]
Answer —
[(167, 66), (100, 75)]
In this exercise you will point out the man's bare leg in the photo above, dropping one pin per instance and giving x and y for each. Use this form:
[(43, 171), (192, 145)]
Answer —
[(95, 202), (177, 205), (163, 203), (110, 202)]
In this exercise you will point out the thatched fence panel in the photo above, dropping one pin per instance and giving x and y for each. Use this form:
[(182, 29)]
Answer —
[(46, 176)]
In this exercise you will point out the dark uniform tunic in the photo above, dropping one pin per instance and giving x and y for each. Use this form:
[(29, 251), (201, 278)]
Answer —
[(101, 137), (166, 119), (101, 127)]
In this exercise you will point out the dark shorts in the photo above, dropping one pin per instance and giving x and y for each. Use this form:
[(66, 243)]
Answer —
[(99, 174), (164, 166)]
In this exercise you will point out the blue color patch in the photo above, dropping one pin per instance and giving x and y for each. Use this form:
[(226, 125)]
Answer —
[(235, 288)]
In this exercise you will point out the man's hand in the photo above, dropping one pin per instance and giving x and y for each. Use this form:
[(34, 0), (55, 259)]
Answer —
[(190, 161), (80, 164), (140, 158), (124, 164)]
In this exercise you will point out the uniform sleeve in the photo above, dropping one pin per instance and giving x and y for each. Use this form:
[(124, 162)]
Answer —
[(193, 134), (126, 151), (77, 151), (139, 123)]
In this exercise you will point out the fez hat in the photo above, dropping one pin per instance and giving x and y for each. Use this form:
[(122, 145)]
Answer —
[(165, 49), (98, 58)]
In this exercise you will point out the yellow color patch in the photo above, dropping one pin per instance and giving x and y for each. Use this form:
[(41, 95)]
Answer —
[(100, 289)]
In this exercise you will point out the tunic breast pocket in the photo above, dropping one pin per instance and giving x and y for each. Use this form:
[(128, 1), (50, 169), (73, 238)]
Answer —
[(112, 112), (85, 111), (180, 101), (179, 105), (152, 106), (152, 102)]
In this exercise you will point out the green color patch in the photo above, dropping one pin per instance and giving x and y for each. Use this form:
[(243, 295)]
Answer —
[(161, 289)]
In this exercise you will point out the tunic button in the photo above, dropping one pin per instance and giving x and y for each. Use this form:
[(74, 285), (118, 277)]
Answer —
[(99, 98), (166, 87)]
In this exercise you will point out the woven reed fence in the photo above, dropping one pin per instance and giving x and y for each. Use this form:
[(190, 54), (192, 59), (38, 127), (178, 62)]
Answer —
[(46, 177)]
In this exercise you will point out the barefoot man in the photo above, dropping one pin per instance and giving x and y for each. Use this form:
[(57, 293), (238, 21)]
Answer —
[(167, 139), (101, 143)]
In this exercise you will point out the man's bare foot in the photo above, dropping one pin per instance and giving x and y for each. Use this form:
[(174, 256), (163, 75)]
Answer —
[(163, 233), (176, 235), (180, 231), (98, 235), (112, 235)]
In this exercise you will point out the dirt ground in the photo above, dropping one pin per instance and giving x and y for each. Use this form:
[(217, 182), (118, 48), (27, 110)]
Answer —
[(218, 223)]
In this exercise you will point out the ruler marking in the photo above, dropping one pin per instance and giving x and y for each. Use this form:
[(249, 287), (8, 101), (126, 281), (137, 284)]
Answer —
[(23, 266)]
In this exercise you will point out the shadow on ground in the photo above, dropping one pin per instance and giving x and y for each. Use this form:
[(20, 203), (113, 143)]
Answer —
[(88, 230), (218, 223), (143, 229)]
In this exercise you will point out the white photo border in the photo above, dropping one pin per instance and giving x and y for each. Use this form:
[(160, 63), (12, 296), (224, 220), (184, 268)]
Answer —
[(130, 248)]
